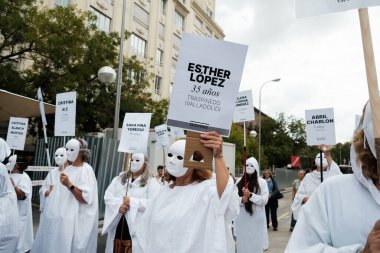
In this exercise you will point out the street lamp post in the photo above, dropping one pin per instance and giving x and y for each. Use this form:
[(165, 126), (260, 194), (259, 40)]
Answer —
[(106, 74), (274, 80)]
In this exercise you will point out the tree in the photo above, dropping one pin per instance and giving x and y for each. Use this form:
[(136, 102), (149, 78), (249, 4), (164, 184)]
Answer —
[(61, 50)]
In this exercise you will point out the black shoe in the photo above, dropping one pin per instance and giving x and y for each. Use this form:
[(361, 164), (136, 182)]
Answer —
[(267, 226), (274, 229), (291, 229)]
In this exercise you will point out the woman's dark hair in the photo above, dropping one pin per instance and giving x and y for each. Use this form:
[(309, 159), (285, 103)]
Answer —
[(253, 186)]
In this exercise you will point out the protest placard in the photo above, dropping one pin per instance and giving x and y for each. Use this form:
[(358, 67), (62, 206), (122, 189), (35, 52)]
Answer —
[(65, 112), (135, 132), (320, 127), (17, 133), (206, 84), (162, 136), (244, 110)]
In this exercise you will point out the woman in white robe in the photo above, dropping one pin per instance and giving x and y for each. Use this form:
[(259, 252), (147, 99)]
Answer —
[(193, 213), (127, 196), (60, 158), (250, 225), (23, 188), (69, 221), (313, 179), (9, 220), (343, 214)]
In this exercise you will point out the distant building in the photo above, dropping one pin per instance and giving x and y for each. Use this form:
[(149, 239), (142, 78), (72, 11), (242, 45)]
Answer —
[(157, 27)]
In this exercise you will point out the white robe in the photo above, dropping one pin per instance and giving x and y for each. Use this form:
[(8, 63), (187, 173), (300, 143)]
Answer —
[(251, 231), (47, 182), (308, 185), (189, 218), (9, 220), (339, 215), (67, 226), (23, 182), (113, 199)]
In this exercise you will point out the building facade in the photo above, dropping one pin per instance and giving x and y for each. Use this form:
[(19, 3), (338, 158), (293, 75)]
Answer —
[(156, 28)]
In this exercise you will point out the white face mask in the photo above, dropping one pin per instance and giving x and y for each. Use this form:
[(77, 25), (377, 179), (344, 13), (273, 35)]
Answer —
[(72, 149), (11, 163), (174, 164), (60, 156), (318, 161), (137, 162), (251, 165)]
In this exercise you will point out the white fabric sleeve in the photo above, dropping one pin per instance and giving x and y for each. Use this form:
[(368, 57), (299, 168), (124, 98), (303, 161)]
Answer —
[(262, 198), (24, 185), (312, 233), (233, 207), (87, 183), (42, 191), (334, 169), (112, 202), (297, 202)]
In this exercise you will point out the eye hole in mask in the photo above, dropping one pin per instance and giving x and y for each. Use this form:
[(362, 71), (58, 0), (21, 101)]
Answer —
[(178, 157)]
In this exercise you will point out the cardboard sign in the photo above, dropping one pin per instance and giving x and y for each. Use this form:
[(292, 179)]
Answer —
[(244, 110), (206, 84), (305, 8), (17, 133), (320, 127), (162, 136), (41, 104), (193, 145), (135, 132), (65, 112)]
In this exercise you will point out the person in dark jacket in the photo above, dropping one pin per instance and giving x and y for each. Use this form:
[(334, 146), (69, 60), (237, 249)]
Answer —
[(272, 204)]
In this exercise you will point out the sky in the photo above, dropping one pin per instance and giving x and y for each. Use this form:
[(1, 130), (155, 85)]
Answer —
[(319, 59)]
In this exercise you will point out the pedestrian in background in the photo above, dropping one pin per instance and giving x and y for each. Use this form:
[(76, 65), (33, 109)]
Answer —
[(272, 205), (295, 186)]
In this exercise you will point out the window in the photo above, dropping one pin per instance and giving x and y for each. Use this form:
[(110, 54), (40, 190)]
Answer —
[(63, 3), (161, 31), (159, 55), (163, 6), (141, 15), (176, 42), (102, 21), (198, 22), (209, 13), (135, 76), (208, 32), (179, 20), (138, 45), (157, 85)]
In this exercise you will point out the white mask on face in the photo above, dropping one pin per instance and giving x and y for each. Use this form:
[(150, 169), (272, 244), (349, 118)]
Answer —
[(174, 164), (72, 149), (137, 162), (252, 165), (11, 163), (60, 156), (318, 161)]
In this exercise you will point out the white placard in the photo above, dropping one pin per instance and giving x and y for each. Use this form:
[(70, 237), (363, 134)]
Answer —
[(244, 110), (65, 112), (41, 104), (206, 84), (135, 132), (17, 133), (320, 127), (177, 132), (305, 8), (162, 136)]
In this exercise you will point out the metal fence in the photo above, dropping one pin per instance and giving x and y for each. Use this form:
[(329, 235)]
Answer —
[(105, 160)]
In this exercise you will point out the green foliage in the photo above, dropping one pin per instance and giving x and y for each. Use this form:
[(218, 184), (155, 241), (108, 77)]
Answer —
[(61, 50)]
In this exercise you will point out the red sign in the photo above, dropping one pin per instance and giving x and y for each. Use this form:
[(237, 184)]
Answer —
[(295, 160)]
